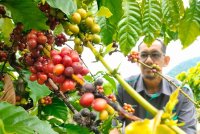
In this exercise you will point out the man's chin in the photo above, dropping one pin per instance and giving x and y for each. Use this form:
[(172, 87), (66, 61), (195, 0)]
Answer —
[(150, 76)]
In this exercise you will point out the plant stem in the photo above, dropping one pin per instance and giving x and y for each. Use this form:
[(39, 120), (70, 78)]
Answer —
[(60, 93), (177, 130), (186, 95), (129, 89)]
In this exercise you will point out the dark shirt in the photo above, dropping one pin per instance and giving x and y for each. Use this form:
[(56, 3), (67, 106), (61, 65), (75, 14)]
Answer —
[(185, 109)]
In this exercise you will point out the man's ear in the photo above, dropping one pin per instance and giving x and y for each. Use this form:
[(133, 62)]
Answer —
[(166, 60)]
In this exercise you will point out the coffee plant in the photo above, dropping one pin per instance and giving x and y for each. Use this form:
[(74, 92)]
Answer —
[(45, 85), (191, 77)]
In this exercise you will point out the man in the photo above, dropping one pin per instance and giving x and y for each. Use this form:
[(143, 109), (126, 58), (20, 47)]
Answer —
[(157, 90)]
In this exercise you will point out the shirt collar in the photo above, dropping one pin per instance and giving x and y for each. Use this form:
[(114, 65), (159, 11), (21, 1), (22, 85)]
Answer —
[(165, 86)]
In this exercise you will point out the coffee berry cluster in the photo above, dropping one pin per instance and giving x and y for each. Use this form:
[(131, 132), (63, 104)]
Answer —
[(133, 57), (47, 100), (92, 97), (83, 28), (60, 67), (87, 118)]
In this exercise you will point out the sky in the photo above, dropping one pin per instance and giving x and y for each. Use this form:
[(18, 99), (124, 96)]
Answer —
[(178, 54)]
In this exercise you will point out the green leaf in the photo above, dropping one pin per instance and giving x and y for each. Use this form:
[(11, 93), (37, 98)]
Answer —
[(37, 91), (18, 121), (104, 12), (88, 78), (58, 29), (33, 111), (56, 109), (130, 26), (106, 125), (168, 34), (173, 10), (76, 129), (180, 4), (99, 3), (67, 6), (7, 67), (108, 89), (59, 129), (1, 85), (27, 12), (189, 28), (84, 3), (151, 20), (6, 28), (54, 121), (188, 32), (115, 6), (112, 85), (74, 100), (191, 77), (108, 49), (2, 129), (107, 30)]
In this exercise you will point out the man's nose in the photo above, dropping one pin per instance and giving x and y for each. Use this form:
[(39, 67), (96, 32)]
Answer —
[(148, 60)]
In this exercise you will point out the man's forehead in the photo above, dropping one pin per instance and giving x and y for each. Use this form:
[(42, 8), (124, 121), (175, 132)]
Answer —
[(156, 45)]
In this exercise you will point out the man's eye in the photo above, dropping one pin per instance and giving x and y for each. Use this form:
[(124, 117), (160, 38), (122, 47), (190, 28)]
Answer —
[(144, 55), (155, 55)]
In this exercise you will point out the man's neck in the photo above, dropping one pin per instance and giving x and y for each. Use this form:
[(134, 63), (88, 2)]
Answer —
[(152, 85)]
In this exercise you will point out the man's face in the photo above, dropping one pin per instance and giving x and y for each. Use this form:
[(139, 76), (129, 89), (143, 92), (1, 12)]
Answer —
[(152, 55)]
